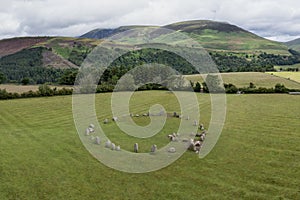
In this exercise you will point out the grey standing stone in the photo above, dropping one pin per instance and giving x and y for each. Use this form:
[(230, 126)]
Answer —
[(97, 141), (108, 144), (113, 146), (172, 150), (154, 148), (136, 147)]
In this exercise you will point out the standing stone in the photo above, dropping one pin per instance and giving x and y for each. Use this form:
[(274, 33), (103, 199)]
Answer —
[(91, 130), (118, 148), (87, 132), (161, 113), (153, 148), (108, 144), (201, 127), (172, 150), (97, 141), (136, 147), (195, 123), (113, 146), (105, 121), (92, 126)]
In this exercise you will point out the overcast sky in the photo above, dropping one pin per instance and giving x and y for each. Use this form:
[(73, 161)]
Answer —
[(273, 19)]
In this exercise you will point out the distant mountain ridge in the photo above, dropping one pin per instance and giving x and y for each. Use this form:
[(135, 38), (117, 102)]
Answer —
[(47, 59), (294, 44), (107, 32), (212, 35)]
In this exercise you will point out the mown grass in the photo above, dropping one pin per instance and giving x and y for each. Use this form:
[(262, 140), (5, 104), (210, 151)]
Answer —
[(242, 79), (256, 157), (25, 88), (295, 76)]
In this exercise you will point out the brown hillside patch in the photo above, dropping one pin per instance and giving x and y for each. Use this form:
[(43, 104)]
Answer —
[(11, 46), (51, 59)]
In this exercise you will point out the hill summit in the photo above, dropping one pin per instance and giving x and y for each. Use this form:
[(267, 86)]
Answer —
[(212, 35)]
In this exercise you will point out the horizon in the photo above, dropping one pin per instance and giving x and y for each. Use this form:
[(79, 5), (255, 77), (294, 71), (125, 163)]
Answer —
[(141, 25), (276, 20)]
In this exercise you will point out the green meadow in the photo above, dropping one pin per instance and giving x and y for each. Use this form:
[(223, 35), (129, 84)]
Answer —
[(256, 157), (242, 79), (294, 76)]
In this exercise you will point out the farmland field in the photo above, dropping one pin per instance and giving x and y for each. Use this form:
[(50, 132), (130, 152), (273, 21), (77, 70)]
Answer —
[(25, 88), (295, 76), (256, 157), (242, 79), (284, 67)]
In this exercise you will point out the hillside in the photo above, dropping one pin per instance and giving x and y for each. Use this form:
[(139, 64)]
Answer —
[(13, 45), (42, 59), (214, 36), (294, 44), (48, 59), (104, 33)]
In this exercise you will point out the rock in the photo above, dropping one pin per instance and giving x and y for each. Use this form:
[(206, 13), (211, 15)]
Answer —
[(108, 144), (113, 146), (97, 140), (172, 150), (136, 147), (153, 148)]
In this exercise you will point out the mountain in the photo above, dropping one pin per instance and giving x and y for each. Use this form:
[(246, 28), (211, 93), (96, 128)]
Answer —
[(213, 36), (294, 44), (13, 45), (104, 33), (51, 59), (42, 59)]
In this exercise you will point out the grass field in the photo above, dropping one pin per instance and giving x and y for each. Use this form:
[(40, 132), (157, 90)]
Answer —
[(242, 79), (256, 157), (287, 66), (25, 88), (295, 76)]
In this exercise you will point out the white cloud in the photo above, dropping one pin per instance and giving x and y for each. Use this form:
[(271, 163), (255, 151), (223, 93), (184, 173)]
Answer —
[(276, 19)]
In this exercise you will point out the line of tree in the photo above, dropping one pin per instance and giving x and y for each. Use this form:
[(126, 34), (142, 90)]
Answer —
[(230, 62), (26, 66), (43, 91)]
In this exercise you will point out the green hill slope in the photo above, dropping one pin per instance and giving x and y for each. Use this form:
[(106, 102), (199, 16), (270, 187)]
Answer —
[(222, 36), (232, 48), (42, 59), (294, 44), (214, 36)]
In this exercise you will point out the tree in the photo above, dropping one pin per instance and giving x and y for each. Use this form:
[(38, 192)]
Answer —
[(69, 77), (25, 81), (45, 90), (126, 83), (2, 78), (251, 85), (280, 88), (213, 83), (197, 87)]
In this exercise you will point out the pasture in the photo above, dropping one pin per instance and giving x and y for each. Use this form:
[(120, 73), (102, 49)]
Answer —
[(242, 79), (294, 76), (25, 88), (256, 157)]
